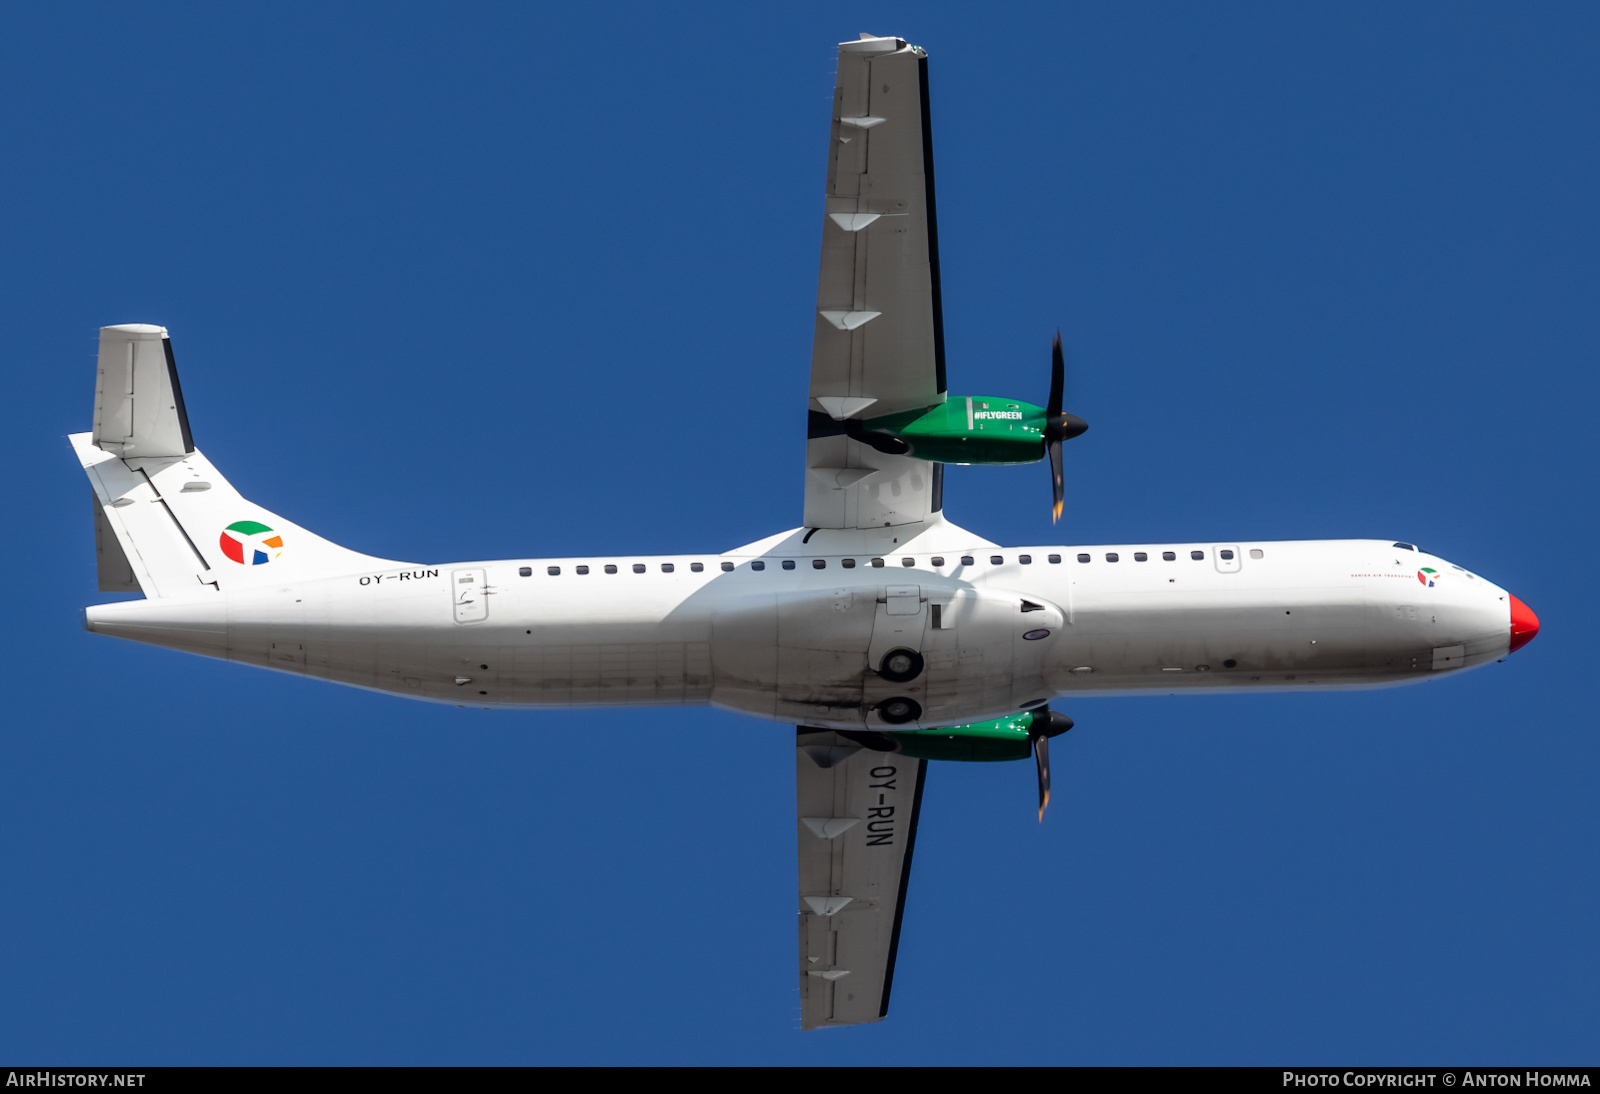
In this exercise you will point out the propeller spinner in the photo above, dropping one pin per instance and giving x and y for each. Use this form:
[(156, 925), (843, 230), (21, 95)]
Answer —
[(1058, 427)]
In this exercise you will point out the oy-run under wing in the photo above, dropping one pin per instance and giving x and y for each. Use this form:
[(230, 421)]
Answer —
[(857, 828)]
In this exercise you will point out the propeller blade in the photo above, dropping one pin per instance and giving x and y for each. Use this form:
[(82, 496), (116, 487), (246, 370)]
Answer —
[(1057, 483), (1058, 379), (1047, 723), (1058, 426), (1041, 756)]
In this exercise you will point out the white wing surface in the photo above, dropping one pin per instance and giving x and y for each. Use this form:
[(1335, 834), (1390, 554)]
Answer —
[(879, 342), (857, 826)]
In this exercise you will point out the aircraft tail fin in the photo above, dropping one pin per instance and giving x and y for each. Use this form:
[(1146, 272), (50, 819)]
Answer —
[(166, 521)]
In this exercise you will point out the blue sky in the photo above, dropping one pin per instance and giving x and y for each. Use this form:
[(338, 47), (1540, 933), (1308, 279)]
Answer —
[(514, 280)]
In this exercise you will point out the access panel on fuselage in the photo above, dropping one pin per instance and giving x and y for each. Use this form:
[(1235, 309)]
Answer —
[(470, 592)]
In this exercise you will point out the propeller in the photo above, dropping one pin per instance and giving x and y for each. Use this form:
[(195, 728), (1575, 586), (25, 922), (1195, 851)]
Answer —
[(1058, 427), (1047, 723)]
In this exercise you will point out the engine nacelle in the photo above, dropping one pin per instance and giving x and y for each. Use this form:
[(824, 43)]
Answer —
[(963, 429), (969, 429), (1008, 738)]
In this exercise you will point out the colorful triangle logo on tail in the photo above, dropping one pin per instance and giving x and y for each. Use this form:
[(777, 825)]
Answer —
[(250, 543)]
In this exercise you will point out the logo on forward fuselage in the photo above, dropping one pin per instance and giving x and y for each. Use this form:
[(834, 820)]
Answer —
[(1429, 576), (250, 543)]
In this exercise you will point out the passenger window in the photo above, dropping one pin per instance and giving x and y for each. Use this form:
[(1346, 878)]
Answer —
[(666, 567), (878, 562), (1169, 556), (997, 560), (611, 567), (553, 571), (848, 564), (908, 562), (695, 567), (1197, 555), (819, 564), (937, 560), (758, 565), (638, 567), (788, 564), (525, 571), (1055, 559), (1111, 556), (583, 569), (1140, 556), (1255, 552), (966, 560), (1026, 560), (727, 567), (1227, 556)]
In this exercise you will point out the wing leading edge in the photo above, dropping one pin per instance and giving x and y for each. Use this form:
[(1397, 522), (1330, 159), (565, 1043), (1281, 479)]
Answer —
[(879, 343), (857, 827)]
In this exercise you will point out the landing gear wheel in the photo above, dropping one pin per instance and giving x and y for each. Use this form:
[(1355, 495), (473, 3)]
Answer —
[(899, 710), (900, 665)]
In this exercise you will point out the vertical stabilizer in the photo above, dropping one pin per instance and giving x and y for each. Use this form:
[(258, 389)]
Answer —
[(167, 519)]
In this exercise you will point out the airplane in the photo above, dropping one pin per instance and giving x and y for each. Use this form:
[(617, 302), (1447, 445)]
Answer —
[(887, 635)]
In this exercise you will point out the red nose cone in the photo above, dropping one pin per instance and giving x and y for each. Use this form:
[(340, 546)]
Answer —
[(1524, 624)]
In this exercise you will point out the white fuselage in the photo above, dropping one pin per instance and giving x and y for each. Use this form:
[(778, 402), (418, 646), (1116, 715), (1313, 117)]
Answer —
[(799, 636)]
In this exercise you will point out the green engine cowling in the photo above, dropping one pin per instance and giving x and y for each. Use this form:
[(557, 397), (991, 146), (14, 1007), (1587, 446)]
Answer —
[(1008, 738), (969, 429)]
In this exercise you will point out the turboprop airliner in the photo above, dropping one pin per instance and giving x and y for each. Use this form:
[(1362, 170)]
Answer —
[(888, 636)]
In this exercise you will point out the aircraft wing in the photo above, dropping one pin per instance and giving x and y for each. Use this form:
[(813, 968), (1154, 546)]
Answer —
[(857, 826), (879, 342)]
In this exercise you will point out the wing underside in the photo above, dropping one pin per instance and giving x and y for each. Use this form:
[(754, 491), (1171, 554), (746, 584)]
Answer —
[(857, 825), (878, 348)]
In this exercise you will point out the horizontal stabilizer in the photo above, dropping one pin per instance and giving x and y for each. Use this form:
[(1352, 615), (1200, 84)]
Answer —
[(138, 406)]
